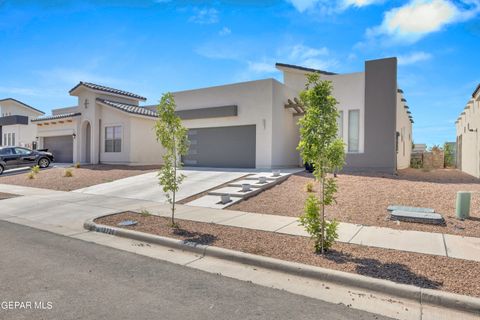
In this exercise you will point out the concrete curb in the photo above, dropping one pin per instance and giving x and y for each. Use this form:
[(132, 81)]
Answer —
[(422, 296)]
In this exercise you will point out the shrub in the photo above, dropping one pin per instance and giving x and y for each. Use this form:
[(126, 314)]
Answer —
[(313, 225), (68, 173), (77, 165), (145, 213), (449, 160), (31, 175), (309, 187), (35, 169)]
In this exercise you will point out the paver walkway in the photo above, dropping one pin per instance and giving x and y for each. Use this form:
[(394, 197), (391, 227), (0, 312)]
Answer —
[(65, 213)]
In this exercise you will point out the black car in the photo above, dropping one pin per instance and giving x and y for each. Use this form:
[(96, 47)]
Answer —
[(15, 157)]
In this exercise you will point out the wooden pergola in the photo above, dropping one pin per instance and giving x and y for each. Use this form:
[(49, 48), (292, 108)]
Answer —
[(296, 105)]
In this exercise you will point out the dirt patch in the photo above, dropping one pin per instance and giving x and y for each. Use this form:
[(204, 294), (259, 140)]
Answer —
[(421, 270), (85, 176), (363, 199), (4, 195)]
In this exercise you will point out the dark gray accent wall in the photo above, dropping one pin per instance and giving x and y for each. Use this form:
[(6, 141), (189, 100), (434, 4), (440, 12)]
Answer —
[(380, 119), (212, 112), (227, 147), (11, 120)]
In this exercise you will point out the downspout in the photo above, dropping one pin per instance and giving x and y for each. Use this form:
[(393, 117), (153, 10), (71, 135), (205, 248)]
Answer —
[(99, 140)]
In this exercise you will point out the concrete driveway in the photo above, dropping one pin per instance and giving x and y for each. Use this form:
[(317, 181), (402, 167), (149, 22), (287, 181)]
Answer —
[(146, 186)]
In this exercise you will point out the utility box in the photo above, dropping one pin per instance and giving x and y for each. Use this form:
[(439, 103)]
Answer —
[(463, 204)]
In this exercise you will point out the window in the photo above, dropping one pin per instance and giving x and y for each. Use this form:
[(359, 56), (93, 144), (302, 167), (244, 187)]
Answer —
[(353, 130), (6, 151), (340, 125), (113, 139), (22, 151), (9, 141), (13, 139), (5, 139)]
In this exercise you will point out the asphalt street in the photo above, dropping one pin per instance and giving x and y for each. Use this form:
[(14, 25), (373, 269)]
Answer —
[(48, 276)]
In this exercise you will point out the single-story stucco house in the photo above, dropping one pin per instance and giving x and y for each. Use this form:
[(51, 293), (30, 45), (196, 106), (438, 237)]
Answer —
[(241, 125), (468, 144), (15, 126)]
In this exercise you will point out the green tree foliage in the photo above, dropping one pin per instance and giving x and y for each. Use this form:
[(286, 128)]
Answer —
[(320, 147), (174, 138), (449, 160)]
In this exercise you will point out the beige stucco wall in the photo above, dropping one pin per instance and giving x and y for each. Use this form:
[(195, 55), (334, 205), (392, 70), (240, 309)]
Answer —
[(470, 150), (404, 128), (254, 101), (144, 147), (348, 89), (285, 131), (24, 134)]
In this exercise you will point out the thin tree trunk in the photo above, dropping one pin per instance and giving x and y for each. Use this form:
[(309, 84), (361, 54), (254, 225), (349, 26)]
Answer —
[(175, 180), (323, 214)]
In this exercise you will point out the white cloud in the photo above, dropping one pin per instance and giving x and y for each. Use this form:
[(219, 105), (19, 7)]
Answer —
[(330, 6), (418, 18), (413, 58), (205, 16), (261, 67), (298, 54), (225, 31)]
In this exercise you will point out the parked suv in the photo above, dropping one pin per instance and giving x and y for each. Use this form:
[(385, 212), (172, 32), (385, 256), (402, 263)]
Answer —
[(15, 157)]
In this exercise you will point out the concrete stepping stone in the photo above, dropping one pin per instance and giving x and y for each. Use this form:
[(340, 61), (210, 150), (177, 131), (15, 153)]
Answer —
[(269, 176), (235, 192), (212, 201), (418, 217), (411, 209), (253, 183)]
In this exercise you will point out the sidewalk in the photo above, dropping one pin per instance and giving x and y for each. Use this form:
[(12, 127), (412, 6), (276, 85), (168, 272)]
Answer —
[(65, 212)]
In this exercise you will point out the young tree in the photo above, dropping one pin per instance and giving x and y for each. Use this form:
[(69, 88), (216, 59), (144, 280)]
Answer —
[(320, 147), (174, 138)]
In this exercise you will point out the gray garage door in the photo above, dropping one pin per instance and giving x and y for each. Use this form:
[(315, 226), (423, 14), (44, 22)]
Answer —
[(224, 147), (61, 147)]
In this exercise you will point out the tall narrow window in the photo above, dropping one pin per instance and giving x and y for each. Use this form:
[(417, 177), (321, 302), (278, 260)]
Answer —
[(353, 130), (13, 139), (113, 139), (340, 125), (9, 142)]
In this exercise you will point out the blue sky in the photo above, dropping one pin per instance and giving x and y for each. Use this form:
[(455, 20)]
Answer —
[(150, 47)]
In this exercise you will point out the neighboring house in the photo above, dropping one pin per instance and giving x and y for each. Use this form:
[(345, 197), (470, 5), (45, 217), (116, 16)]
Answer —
[(419, 148), (250, 124), (15, 126), (468, 144)]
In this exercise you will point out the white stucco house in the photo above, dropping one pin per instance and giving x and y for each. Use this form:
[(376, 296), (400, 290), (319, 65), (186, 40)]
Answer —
[(249, 124), (468, 143), (15, 126)]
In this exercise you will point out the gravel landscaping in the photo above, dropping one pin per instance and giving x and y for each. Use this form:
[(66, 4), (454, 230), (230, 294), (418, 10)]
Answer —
[(427, 271), (4, 195), (85, 176), (363, 199)]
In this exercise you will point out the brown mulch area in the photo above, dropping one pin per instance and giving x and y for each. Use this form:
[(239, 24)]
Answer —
[(363, 199), (85, 176), (4, 195), (426, 271)]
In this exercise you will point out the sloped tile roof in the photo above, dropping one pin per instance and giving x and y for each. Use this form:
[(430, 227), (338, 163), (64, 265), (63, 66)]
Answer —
[(129, 108), (58, 116), (476, 90), (23, 104), (98, 87)]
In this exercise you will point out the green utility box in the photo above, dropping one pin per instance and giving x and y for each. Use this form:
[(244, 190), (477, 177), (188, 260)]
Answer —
[(463, 204)]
